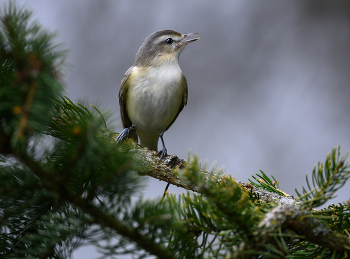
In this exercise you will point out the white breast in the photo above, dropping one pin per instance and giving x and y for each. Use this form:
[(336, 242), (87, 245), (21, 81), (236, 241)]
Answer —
[(154, 97)]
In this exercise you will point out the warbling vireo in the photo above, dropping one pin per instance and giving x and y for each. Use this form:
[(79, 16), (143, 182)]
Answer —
[(154, 91)]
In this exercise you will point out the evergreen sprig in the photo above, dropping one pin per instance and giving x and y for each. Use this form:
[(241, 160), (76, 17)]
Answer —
[(264, 182), (337, 216), (327, 178), (30, 68)]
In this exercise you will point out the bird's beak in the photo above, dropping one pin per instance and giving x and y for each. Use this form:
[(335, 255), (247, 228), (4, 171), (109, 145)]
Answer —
[(188, 37)]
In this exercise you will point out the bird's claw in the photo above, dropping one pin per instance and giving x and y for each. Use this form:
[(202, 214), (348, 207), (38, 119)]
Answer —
[(123, 135), (162, 153)]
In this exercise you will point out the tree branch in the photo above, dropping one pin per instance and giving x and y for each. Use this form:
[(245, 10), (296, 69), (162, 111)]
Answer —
[(169, 170), (52, 182), (302, 223)]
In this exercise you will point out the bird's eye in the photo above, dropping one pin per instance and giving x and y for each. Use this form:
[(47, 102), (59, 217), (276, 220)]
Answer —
[(169, 41)]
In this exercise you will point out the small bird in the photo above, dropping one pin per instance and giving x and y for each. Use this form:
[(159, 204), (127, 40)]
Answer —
[(154, 91)]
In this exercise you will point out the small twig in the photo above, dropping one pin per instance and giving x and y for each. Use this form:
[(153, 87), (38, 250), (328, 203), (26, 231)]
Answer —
[(165, 192), (24, 119)]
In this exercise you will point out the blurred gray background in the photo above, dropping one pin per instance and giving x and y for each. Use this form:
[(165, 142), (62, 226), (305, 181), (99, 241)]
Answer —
[(268, 80)]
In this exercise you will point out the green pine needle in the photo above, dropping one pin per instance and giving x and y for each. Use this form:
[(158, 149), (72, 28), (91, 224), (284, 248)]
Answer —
[(327, 178), (266, 183)]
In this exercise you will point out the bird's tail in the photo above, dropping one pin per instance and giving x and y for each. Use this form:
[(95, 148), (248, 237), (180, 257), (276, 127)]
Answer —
[(148, 140)]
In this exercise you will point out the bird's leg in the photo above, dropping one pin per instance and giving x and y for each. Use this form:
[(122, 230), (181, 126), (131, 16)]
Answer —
[(124, 134), (162, 152)]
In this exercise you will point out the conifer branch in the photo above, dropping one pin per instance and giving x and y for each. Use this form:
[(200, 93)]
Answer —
[(302, 223), (25, 111), (51, 181), (171, 170)]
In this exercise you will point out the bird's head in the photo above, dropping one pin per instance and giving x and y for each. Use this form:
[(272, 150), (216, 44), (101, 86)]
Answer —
[(163, 46)]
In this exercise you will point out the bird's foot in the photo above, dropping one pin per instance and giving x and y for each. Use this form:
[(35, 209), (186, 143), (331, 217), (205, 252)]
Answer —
[(123, 135), (163, 153)]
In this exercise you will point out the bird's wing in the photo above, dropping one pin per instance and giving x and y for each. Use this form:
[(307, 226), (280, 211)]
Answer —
[(184, 99), (122, 98)]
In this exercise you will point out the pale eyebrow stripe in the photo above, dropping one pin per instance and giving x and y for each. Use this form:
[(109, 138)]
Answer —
[(162, 38)]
